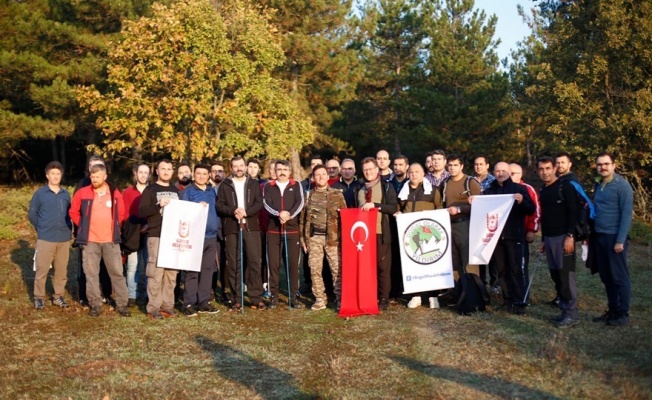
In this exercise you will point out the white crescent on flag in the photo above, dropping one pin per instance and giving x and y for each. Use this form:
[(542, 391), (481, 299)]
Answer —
[(360, 224)]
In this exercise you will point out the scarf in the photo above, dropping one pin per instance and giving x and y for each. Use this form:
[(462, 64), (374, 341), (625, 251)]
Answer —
[(405, 191)]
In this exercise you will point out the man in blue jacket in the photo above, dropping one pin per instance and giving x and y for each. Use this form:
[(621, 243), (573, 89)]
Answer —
[(197, 292), (614, 205), (48, 213)]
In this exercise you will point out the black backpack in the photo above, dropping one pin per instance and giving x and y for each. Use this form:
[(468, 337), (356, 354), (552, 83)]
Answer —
[(585, 210), (130, 237), (473, 295)]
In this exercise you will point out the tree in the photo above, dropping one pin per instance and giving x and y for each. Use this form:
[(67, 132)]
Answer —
[(194, 81)]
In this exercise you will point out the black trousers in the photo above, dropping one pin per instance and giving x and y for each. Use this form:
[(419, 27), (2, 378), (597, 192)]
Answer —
[(197, 288), (276, 257), (384, 267), (512, 270), (251, 252)]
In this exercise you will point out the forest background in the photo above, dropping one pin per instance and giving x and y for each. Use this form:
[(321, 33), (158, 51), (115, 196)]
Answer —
[(202, 80)]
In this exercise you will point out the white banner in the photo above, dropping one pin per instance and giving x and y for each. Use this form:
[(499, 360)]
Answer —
[(488, 217), (425, 243), (182, 235)]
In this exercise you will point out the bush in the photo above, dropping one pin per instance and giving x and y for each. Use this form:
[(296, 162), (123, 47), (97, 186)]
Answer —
[(14, 204), (641, 232)]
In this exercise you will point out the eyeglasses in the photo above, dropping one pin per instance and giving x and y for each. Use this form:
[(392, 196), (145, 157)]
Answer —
[(515, 173), (221, 171), (600, 165), (369, 170)]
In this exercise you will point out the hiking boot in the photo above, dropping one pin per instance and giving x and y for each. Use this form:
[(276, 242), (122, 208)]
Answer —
[(567, 322), (495, 289), (189, 311), (383, 305), (39, 304), (155, 315), (171, 313), (318, 305), (554, 302), (131, 303), (95, 311), (123, 311), (206, 308), (433, 302), (414, 302), (518, 310), (273, 303), (59, 302), (260, 306), (606, 316), (295, 303), (618, 321), (557, 319)]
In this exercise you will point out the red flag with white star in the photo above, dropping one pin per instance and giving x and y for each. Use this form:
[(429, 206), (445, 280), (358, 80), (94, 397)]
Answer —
[(358, 269)]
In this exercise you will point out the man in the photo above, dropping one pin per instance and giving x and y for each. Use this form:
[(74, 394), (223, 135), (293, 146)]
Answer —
[(614, 206), (98, 212), (238, 203), (184, 177), (383, 161), (510, 249), (348, 183), (401, 163), (333, 167), (253, 168), (378, 193), (271, 169), (48, 214), (437, 172), (481, 167), (136, 260), (283, 199), (197, 288), (419, 195), (160, 281), (558, 221), (564, 163), (456, 190), (320, 235), (308, 183), (217, 174)]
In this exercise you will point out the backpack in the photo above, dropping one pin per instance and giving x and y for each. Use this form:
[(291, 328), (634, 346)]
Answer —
[(586, 211), (467, 188), (473, 295), (130, 236)]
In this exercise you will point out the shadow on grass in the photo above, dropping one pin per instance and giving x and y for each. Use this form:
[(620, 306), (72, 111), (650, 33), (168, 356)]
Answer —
[(266, 381), (480, 382)]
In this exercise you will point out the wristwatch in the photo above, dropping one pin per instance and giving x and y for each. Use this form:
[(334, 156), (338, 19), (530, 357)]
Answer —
[(570, 235)]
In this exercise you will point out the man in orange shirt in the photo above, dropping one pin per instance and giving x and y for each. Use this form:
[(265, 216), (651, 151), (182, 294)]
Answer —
[(98, 212)]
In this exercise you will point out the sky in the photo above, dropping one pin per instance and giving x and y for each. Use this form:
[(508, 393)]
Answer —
[(510, 27)]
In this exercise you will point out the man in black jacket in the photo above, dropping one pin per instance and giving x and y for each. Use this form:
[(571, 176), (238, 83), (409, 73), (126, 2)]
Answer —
[(511, 247), (238, 203), (283, 199)]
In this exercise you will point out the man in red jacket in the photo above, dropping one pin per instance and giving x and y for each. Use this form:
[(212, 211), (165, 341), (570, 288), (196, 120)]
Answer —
[(98, 212)]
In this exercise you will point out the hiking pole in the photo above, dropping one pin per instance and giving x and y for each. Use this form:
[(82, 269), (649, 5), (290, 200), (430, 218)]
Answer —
[(527, 292), (240, 222), (287, 266)]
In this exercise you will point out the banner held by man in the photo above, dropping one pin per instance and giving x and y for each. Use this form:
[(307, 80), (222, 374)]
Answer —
[(182, 236), (488, 218)]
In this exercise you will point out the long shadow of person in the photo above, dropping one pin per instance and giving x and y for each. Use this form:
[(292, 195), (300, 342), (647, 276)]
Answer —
[(484, 383), (266, 381)]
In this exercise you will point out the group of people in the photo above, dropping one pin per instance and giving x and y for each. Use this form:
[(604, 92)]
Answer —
[(257, 226)]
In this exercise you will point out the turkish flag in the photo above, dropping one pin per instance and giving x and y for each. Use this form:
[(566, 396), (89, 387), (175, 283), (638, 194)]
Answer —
[(359, 280)]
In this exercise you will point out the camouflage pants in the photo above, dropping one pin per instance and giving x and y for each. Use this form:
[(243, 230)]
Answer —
[(316, 249)]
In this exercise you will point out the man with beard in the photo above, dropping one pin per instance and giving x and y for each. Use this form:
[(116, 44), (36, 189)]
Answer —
[(308, 183), (383, 161), (184, 176), (160, 281), (564, 163), (481, 167), (510, 249), (378, 193), (217, 174), (238, 203), (401, 163), (283, 199), (437, 171), (98, 212)]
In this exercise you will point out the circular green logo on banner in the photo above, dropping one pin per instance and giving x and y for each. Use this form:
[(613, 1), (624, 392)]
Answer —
[(425, 241)]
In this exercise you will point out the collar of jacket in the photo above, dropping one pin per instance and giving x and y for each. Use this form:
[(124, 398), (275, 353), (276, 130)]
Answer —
[(291, 181)]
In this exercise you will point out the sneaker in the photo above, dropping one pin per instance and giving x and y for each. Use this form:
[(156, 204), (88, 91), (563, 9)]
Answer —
[(39, 304), (433, 302), (84, 304), (131, 303), (95, 311), (189, 311), (414, 302), (495, 289), (59, 302), (295, 303), (606, 316), (171, 313), (123, 311), (273, 303), (554, 302), (260, 306), (155, 315), (618, 321), (383, 305), (206, 308), (567, 322), (557, 319), (319, 305)]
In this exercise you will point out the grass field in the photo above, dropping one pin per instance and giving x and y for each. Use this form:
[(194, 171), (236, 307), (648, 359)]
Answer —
[(54, 353)]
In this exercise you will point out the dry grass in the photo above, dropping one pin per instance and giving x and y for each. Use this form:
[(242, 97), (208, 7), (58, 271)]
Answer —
[(301, 354)]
